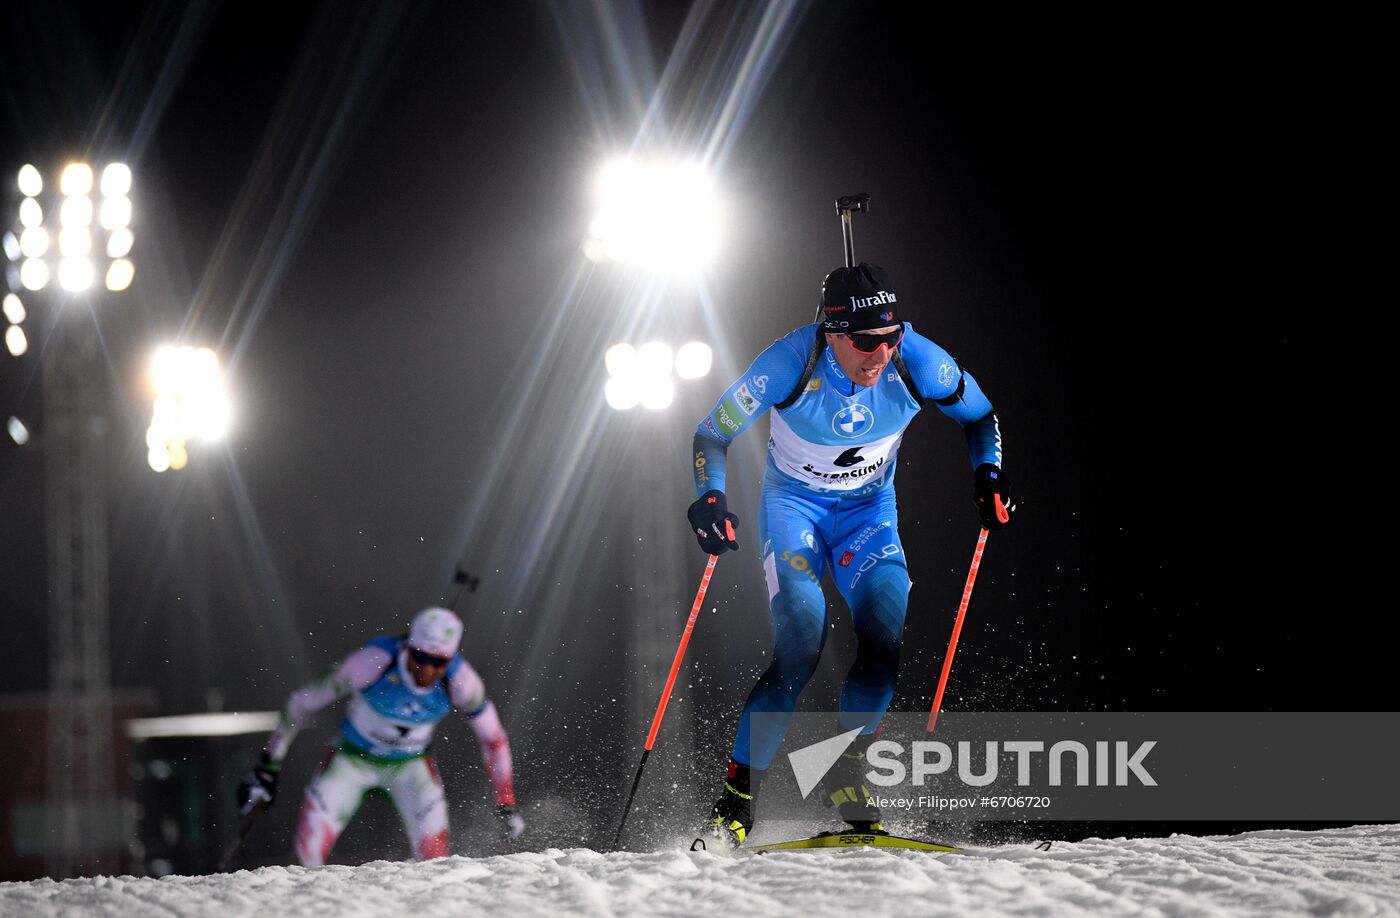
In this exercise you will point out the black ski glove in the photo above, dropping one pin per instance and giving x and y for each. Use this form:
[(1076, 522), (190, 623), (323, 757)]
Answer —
[(988, 482), (512, 823), (259, 784), (708, 518)]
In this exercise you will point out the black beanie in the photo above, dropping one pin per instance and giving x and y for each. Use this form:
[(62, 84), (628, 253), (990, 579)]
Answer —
[(857, 299)]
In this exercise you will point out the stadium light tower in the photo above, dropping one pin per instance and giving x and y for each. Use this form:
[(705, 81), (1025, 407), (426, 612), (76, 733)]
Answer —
[(660, 224), (70, 237)]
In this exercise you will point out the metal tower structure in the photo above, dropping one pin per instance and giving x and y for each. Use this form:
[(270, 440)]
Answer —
[(69, 238), (81, 794)]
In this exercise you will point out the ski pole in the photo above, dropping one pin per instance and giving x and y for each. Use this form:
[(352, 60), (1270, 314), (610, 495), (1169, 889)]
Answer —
[(670, 683), (1002, 515), (243, 826)]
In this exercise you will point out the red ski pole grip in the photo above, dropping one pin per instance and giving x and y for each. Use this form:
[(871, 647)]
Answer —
[(1002, 513)]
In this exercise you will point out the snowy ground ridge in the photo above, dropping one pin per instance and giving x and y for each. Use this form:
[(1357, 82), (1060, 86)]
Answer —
[(1353, 871)]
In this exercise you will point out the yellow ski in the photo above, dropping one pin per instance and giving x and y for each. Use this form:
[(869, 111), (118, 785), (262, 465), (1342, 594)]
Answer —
[(853, 840)]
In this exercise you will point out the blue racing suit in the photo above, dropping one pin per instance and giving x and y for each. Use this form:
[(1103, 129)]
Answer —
[(828, 500)]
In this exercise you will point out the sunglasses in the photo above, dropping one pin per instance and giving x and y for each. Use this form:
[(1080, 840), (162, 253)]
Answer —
[(427, 659), (869, 344)]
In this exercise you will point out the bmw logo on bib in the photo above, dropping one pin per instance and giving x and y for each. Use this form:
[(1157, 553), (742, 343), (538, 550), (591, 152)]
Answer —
[(852, 421)]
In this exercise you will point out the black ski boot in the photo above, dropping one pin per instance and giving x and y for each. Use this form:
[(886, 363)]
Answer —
[(844, 787), (732, 816)]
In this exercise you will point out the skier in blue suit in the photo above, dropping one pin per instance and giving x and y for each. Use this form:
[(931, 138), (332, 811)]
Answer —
[(842, 392)]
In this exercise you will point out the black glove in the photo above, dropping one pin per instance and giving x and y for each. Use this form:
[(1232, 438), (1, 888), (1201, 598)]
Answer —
[(512, 823), (259, 784), (988, 482), (708, 517)]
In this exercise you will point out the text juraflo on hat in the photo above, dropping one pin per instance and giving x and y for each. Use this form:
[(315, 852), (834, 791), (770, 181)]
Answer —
[(858, 299)]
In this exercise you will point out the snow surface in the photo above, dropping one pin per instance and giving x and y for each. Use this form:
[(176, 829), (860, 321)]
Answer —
[(1353, 871)]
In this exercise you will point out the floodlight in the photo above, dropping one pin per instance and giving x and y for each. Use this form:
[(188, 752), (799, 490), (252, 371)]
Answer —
[(34, 274), (75, 274), (657, 215), (693, 360), (120, 275), (76, 179), (43, 249), (119, 243), (14, 309), (116, 180), (165, 371), (658, 393), (654, 360), (30, 213), (34, 242), (622, 392), (620, 359), (75, 211), (115, 213), (30, 181), (644, 375), (190, 402), (74, 240), (15, 340)]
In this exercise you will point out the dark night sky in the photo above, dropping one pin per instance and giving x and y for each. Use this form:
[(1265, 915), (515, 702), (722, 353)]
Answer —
[(1138, 234)]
